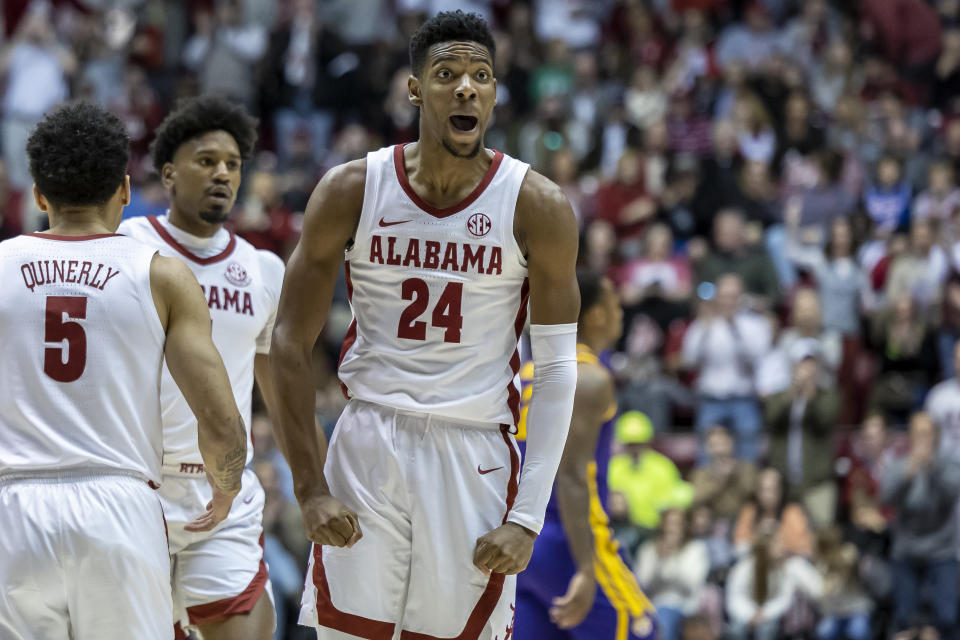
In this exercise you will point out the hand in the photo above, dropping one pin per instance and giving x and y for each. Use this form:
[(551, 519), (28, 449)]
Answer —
[(506, 549), (756, 619), (329, 522), (570, 609), (217, 509)]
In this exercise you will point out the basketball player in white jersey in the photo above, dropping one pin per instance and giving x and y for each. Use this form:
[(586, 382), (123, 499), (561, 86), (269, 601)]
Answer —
[(219, 578), (86, 317), (418, 521)]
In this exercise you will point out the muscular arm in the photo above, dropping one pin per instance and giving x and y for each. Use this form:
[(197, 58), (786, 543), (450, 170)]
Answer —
[(261, 373), (196, 366), (329, 223)]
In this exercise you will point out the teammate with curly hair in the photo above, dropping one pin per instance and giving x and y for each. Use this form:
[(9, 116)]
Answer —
[(86, 318), (220, 581), (419, 517)]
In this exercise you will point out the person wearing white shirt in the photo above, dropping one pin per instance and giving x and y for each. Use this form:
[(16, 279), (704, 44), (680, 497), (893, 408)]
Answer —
[(724, 346)]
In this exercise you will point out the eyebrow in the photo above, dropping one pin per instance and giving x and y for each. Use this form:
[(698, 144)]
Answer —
[(232, 155), (453, 58)]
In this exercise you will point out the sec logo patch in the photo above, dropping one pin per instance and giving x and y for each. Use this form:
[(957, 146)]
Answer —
[(237, 275), (479, 224)]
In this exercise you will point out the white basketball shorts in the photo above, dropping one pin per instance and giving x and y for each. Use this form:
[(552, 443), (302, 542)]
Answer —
[(83, 557), (425, 488), (219, 573)]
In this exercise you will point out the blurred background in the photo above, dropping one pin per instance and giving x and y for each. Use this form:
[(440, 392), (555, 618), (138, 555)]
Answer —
[(770, 184)]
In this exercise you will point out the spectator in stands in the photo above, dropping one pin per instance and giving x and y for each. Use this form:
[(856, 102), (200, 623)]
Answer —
[(724, 346), (942, 195), (672, 570), (887, 200), (659, 282), (838, 275), (845, 606), (623, 202), (224, 51), (943, 406), (924, 487), (732, 254), (761, 588), (806, 326), (802, 421), (263, 220), (871, 451), (771, 513), (751, 43), (698, 627), (648, 480), (718, 177), (36, 70), (301, 87), (908, 358), (756, 138), (921, 271), (724, 483)]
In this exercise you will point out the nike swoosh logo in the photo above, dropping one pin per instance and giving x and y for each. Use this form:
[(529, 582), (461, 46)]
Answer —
[(248, 500), (384, 223), (484, 472)]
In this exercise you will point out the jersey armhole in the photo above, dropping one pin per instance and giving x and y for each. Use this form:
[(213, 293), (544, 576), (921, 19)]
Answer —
[(371, 189), (151, 315), (513, 236)]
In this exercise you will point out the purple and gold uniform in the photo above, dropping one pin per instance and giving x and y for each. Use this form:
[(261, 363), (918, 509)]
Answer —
[(620, 611)]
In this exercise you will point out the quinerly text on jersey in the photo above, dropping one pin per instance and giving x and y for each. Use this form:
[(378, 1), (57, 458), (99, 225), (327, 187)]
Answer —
[(242, 287), (82, 348), (439, 296)]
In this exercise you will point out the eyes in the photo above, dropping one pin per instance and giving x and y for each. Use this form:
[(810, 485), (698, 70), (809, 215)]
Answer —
[(481, 75), (207, 161)]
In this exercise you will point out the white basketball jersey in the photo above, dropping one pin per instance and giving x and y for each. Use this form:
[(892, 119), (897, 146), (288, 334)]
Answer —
[(82, 347), (242, 286), (439, 296)]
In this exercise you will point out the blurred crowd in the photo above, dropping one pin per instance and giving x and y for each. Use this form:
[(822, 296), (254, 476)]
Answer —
[(770, 184)]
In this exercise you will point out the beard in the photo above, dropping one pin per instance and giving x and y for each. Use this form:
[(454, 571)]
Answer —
[(471, 154), (214, 216)]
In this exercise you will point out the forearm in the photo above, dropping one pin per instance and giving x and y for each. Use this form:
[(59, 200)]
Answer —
[(294, 402), (573, 497), (223, 447)]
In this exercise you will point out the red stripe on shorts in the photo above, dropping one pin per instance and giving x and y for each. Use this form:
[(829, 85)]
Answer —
[(240, 603), (494, 589), (331, 617)]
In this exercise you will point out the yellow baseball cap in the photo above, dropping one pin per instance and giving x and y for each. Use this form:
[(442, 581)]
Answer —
[(634, 427)]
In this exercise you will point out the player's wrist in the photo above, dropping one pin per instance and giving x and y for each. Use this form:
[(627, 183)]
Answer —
[(528, 531)]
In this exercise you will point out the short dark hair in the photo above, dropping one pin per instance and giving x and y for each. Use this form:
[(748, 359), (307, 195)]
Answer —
[(448, 26), (590, 283), (196, 116), (78, 155)]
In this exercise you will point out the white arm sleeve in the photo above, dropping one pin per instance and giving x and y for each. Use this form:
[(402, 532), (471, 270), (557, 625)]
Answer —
[(554, 350)]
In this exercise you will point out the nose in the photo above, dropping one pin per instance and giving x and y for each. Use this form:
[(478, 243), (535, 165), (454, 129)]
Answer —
[(220, 172), (465, 90)]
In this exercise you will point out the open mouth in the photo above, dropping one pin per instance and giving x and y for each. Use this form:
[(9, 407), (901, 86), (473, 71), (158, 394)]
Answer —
[(220, 193), (464, 123)]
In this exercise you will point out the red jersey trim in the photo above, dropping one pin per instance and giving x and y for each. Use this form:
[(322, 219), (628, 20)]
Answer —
[(494, 589), (351, 336), (513, 393), (238, 604), (169, 239), (50, 236), (437, 212)]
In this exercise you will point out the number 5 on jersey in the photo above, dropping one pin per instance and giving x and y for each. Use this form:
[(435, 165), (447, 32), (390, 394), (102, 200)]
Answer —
[(56, 330), (446, 314)]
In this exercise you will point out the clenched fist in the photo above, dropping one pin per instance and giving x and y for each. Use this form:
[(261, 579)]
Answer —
[(506, 549), (328, 521)]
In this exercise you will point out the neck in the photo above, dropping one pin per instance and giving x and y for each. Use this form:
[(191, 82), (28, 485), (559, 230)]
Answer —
[(78, 222), (434, 167), (193, 225)]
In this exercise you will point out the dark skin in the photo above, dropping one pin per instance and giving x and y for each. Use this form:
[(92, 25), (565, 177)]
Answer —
[(202, 181), (599, 329), (443, 167), (192, 358)]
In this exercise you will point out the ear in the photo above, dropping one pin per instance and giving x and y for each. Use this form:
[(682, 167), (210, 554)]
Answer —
[(494, 92), (125, 191), (167, 175), (414, 91), (40, 199)]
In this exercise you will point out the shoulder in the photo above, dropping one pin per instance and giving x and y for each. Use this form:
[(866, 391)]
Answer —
[(540, 196), (345, 181), (134, 227)]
